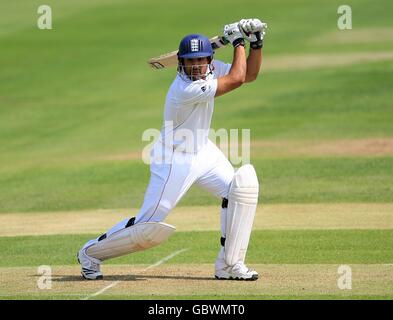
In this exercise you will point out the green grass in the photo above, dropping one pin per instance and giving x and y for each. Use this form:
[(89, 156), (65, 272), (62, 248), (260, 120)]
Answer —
[(83, 90), (122, 184), (268, 247), (347, 102), (71, 96), (350, 102), (84, 87)]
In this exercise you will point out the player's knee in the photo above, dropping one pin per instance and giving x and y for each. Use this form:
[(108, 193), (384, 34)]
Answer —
[(161, 211), (227, 186), (225, 193)]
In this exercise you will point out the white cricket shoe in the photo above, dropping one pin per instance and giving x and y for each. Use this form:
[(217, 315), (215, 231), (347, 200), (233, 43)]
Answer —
[(90, 266), (237, 272)]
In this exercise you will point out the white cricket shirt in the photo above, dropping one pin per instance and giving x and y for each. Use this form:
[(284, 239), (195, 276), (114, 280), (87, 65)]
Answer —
[(188, 110)]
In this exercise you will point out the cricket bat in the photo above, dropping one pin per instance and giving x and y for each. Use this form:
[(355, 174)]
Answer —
[(170, 59)]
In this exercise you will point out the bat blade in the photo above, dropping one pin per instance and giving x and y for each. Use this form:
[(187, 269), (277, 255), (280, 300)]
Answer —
[(170, 59)]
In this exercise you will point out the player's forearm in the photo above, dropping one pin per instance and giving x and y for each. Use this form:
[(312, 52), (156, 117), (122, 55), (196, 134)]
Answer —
[(254, 62), (239, 65), (236, 76)]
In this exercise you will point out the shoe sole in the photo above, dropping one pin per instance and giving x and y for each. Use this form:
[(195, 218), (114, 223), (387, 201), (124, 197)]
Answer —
[(96, 278), (253, 278), (84, 277)]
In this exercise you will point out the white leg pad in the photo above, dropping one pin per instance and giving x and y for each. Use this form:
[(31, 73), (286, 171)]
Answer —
[(242, 204), (140, 236)]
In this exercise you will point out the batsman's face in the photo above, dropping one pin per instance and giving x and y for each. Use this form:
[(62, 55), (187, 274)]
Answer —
[(196, 68)]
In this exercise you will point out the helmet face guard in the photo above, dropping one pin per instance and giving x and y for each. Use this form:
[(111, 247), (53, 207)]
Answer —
[(191, 47), (194, 72)]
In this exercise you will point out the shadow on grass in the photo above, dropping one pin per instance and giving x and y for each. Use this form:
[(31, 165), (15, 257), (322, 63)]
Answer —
[(78, 278)]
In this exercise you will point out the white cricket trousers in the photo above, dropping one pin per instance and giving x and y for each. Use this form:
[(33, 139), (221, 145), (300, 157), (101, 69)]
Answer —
[(173, 173)]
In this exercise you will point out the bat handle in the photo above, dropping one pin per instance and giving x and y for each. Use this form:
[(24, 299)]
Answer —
[(224, 40)]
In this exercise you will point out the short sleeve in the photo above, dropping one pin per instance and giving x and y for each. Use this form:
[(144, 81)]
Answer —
[(199, 91), (221, 69)]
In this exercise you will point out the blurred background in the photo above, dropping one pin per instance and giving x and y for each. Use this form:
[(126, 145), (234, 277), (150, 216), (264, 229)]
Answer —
[(75, 100)]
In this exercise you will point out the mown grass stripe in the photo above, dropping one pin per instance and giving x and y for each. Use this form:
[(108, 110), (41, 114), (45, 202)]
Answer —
[(206, 218), (266, 246), (115, 184)]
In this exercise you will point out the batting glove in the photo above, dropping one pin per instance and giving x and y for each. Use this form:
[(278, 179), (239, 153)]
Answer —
[(233, 35), (253, 30)]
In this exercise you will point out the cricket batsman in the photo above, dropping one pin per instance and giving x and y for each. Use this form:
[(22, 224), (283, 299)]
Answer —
[(183, 155)]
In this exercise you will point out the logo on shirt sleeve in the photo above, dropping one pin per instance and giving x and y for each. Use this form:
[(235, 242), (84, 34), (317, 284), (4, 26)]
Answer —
[(203, 88)]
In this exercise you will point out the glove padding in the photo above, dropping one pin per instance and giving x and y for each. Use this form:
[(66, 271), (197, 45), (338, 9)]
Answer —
[(233, 34), (250, 28)]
